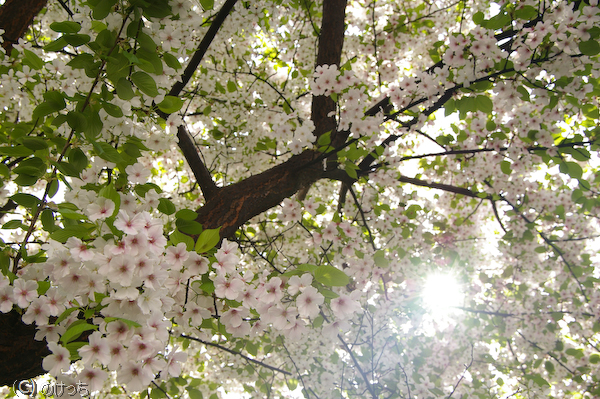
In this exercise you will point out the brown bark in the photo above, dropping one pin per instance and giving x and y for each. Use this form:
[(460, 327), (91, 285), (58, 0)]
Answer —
[(234, 205), (20, 354), (15, 18), (331, 42)]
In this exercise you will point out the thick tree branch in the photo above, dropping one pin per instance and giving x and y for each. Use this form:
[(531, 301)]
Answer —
[(331, 41), (234, 205), (15, 18), (203, 47), (201, 173), (21, 354), (186, 143)]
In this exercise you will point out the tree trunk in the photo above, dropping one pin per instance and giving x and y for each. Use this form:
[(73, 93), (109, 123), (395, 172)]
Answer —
[(21, 355), (15, 18)]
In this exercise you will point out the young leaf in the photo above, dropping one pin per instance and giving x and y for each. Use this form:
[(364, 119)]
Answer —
[(207, 240), (170, 104), (331, 276)]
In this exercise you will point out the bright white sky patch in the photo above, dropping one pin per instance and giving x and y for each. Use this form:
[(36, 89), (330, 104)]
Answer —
[(441, 294)]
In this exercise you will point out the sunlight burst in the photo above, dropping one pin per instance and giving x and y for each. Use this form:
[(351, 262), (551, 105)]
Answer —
[(442, 294)]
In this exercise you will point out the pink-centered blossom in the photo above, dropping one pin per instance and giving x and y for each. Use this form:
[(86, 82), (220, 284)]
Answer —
[(228, 287), (97, 349), (58, 361), (138, 173), (308, 302), (24, 291)]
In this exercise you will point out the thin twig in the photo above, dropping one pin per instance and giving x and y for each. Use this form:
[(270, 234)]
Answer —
[(237, 354)]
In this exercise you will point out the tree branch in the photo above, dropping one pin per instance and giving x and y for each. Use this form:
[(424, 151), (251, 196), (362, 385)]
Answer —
[(15, 18), (201, 173), (236, 204), (331, 41), (203, 47), (236, 353), (186, 144)]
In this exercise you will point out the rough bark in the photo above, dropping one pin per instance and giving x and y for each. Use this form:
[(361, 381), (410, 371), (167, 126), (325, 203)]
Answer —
[(20, 354), (235, 204), (15, 18)]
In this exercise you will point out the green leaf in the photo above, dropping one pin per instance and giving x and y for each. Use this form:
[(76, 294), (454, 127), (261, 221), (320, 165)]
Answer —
[(380, 259), (590, 47), (170, 104), (207, 4), (526, 12), (31, 166), (505, 166), (350, 169), (77, 40), (194, 393), (207, 240), (82, 61), (177, 236), (188, 226), (171, 61), (113, 110), (145, 83), (324, 139), (572, 169), (145, 41), (103, 8), (16, 151), (75, 330), (26, 200), (54, 102), (142, 189), (484, 104), (125, 89), (231, 86), (35, 143), (77, 158), (47, 219), (73, 348), (56, 45), (331, 276), (78, 230), (65, 27), (108, 152), (156, 8), (149, 61), (595, 358), (129, 323), (478, 17), (590, 111), (33, 60), (186, 214), (449, 107), (14, 224), (166, 206), (117, 67), (578, 353)]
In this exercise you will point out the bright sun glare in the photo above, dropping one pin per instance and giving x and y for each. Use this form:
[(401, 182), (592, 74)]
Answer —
[(442, 294)]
